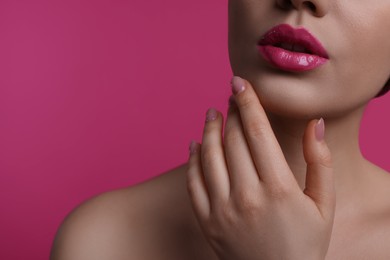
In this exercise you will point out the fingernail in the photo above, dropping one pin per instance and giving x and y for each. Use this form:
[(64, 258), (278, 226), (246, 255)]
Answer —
[(320, 129), (238, 85), (193, 147), (211, 114)]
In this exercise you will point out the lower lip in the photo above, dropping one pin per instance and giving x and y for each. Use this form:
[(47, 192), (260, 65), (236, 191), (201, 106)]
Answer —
[(289, 60)]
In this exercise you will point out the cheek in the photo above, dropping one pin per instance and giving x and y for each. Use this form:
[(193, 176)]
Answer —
[(360, 58), (363, 63), (247, 21)]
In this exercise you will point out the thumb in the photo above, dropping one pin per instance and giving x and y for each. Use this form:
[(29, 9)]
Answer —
[(319, 184)]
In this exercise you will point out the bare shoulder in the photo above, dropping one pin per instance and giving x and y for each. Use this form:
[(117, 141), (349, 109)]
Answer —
[(91, 230), (151, 220)]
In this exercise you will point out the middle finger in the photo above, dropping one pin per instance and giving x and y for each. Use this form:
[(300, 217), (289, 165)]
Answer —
[(267, 154), (242, 171)]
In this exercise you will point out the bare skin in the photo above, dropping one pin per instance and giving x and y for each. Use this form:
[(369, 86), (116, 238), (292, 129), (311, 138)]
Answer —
[(155, 220)]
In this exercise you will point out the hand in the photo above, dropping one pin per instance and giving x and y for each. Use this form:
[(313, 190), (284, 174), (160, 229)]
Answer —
[(244, 195)]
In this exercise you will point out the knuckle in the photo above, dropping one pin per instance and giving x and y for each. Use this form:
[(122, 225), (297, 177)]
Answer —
[(220, 220), (232, 136), (244, 101), (210, 128), (326, 160), (255, 129), (209, 155), (247, 203), (214, 229), (226, 215), (323, 160), (279, 191)]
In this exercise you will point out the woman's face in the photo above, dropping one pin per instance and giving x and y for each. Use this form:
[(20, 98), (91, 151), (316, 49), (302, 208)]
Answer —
[(356, 38)]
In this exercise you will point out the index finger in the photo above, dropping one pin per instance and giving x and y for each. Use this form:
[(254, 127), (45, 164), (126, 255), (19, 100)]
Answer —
[(267, 154)]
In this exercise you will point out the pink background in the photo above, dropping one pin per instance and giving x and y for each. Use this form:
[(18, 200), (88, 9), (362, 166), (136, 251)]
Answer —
[(100, 95)]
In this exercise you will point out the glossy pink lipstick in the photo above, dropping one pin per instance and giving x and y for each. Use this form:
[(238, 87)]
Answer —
[(292, 49)]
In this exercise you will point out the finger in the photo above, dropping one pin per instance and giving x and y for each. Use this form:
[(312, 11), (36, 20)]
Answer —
[(242, 171), (195, 184), (319, 175), (264, 147), (213, 159)]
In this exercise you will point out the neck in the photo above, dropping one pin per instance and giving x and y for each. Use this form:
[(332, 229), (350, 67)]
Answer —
[(342, 137)]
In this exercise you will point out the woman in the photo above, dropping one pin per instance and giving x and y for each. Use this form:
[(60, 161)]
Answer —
[(285, 178)]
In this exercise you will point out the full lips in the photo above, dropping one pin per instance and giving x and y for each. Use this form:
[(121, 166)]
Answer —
[(290, 60)]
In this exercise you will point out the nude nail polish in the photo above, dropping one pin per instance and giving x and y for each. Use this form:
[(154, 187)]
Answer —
[(211, 115), (238, 85), (320, 129)]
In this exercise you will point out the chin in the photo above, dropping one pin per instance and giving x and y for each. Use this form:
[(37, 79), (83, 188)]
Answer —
[(288, 104), (294, 97)]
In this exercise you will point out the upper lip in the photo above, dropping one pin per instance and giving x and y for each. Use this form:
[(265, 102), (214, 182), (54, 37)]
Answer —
[(286, 34)]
